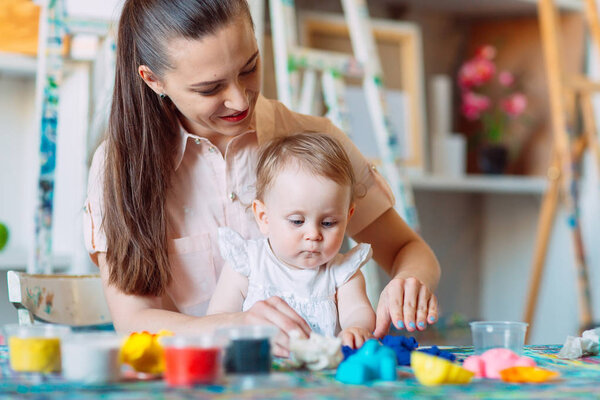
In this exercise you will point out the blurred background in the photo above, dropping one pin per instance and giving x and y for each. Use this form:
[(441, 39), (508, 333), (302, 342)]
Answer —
[(461, 76)]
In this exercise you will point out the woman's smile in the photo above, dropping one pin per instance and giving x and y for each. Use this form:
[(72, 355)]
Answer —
[(236, 117)]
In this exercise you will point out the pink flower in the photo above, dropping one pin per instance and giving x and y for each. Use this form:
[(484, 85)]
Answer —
[(487, 52), (514, 105), (490, 102), (474, 104), (506, 78), (475, 73)]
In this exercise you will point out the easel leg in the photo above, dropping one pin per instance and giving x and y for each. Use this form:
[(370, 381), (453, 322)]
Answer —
[(544, 229), (558, 106), (583, 284), (591, 133)]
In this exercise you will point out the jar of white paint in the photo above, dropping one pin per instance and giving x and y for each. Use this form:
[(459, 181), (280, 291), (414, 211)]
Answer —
[(92, 357)]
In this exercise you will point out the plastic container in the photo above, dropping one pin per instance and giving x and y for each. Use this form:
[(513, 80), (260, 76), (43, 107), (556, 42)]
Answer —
[(92, 357), (191, 360), (249, 349), (35, 348), (498, 334)]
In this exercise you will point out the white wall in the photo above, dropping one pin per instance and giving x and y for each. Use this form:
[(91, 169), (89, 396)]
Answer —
[(451, 225), (18, 161), (71, 168), (484, 242), (19, 167), (507, 250), (485, 245), (103, 10)]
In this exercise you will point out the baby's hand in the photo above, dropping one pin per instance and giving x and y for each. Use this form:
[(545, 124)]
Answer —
[(355, 337)]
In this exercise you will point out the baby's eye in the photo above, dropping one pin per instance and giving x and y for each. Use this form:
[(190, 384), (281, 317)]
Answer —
[(329, 224), (296, 222)]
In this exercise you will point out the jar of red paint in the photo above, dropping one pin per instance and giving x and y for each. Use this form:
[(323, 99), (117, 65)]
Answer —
[(192, 360)]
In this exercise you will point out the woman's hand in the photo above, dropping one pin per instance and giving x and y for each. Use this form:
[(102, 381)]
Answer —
[(407, 303), (275, 311), (355, 337)]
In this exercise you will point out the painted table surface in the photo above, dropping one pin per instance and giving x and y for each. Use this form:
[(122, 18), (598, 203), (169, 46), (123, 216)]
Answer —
[(579, 379)]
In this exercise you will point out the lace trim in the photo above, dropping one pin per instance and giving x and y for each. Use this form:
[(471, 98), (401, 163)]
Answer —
[(273, 291)]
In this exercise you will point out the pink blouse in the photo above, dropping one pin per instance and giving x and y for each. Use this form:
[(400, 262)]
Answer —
[(210, 190)]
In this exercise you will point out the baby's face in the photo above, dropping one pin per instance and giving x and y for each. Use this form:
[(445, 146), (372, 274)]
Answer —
[(305, 217)]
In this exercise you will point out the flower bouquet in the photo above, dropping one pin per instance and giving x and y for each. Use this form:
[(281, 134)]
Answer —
[(489, 98)]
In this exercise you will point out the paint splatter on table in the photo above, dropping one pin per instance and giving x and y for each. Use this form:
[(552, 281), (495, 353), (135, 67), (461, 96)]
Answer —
[(579, 379)]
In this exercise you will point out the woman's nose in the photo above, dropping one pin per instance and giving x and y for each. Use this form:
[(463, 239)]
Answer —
[(236, 97)]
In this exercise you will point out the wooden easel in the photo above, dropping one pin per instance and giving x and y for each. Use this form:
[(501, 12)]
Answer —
[(567, 94)]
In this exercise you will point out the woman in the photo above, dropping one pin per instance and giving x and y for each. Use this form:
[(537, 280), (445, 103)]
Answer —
[(178, 162)]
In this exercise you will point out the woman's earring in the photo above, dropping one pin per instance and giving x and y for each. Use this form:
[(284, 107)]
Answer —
[(163, 96)]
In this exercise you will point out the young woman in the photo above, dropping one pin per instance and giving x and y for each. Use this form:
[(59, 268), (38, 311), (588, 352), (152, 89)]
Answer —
[(178, 162)]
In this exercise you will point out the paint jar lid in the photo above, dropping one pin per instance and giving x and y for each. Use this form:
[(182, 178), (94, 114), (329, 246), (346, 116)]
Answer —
[(204, 341), (107, 340), (36, 331), (249, 332)]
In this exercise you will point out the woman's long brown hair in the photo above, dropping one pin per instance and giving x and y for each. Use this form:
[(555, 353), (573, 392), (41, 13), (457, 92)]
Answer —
[(143, 136)]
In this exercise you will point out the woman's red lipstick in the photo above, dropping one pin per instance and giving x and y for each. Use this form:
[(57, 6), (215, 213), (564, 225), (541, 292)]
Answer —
[(236, 117)]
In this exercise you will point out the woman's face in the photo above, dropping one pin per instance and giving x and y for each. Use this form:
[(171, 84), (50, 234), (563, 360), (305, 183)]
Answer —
[(215, 81)]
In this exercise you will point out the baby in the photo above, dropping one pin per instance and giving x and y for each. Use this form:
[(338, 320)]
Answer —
[(304, 198)]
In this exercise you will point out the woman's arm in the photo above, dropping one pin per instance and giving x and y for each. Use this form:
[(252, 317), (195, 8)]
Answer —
[(230, 292), (356, 315), (132, 313), (136, 313), (408, 300)]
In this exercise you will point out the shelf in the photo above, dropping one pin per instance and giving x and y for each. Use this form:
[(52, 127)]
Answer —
[(489, 8), (481, 184), (19, 65), (18, 260)]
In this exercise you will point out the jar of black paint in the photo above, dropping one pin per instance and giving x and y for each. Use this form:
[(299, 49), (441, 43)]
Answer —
[(248, 356), (249, 349)]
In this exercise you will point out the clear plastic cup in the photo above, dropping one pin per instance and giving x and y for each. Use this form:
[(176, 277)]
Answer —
[(498, 334), (92, 357), (192, 359), (35, 348)]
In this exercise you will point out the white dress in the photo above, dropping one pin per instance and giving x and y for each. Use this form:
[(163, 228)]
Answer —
[(310, 292)]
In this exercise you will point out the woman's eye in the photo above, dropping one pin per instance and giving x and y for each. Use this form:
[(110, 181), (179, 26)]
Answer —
[(207, 92), (250, 70), (328, 224)]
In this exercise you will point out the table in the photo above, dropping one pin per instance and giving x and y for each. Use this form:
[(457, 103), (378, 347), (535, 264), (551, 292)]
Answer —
[(579, 379)]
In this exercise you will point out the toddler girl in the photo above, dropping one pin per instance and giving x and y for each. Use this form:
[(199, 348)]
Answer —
[(305, 188)]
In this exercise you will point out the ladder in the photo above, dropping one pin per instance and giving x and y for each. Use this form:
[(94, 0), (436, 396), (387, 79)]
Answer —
[(299, 94), (48, 79), (54, 25)]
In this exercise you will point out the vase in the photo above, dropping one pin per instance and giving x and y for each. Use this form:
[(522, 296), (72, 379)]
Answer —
[(492, 158)]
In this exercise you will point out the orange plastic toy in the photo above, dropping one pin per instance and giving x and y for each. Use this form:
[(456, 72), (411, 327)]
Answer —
[(527, 375)]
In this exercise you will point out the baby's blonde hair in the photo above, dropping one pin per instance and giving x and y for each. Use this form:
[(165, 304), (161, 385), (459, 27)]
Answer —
[(317, 153)]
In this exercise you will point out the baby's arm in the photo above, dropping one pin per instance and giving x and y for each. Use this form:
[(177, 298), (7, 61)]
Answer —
[(357, 318), (230, 292)]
